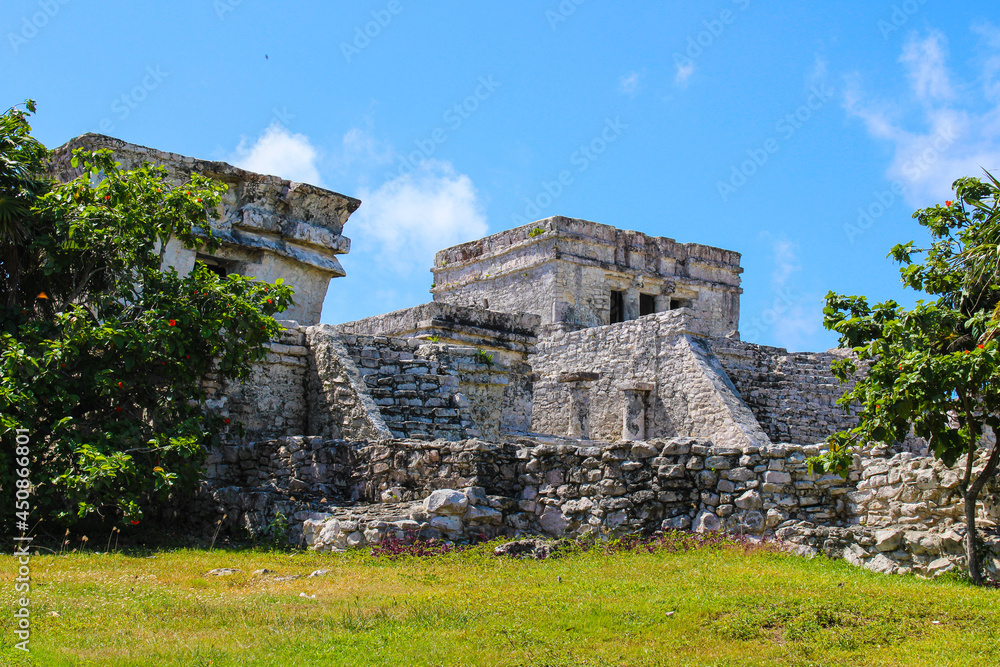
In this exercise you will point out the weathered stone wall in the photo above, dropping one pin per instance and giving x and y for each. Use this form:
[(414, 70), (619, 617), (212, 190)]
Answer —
[(272, 401), (500, 396), (310, 465), (509, 334), (690, 395), (562, 489), (792, 395)]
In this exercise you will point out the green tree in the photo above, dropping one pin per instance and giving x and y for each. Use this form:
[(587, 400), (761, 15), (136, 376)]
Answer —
[(934, 368), (102, 353)]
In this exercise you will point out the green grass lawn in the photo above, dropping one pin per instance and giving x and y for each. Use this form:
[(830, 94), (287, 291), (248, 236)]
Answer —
[(701, 607)]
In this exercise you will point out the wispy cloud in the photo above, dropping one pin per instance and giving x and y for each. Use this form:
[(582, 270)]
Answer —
[(279, 152), (407, 219), (684, 72), (786, 262), (924, 60), (629, 83), (956, 131)]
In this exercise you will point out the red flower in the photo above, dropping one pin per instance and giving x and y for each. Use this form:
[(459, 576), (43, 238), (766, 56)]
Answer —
[(135, 522), (947, 203), (120, 385), (118, 409), (966, 351), (172, 323), (269, 301), (106, 197), (901, 367), (187, 356), (226, 420), (981, 347)]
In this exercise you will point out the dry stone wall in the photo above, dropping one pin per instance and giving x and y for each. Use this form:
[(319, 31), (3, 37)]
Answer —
[(792, 395)]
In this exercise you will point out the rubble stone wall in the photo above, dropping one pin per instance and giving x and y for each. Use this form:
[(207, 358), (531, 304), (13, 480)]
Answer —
[(898, 514), (792, 395)]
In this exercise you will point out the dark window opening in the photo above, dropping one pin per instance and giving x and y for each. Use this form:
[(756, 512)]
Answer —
[(647, 304), (679, 303), (219, 267), (617, 307)]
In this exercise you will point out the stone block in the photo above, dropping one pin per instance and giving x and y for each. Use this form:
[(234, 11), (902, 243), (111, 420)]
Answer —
[(447, 501)]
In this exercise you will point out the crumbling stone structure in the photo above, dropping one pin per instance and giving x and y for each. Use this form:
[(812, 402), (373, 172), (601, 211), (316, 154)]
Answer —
[(269, 227), (575, 274), (568, 378)]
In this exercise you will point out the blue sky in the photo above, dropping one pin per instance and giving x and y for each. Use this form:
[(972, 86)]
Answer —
[(802, 135)]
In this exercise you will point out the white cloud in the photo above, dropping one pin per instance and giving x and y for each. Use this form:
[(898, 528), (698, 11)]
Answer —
[(409, 218), (789, 318), (990, 36), (278, 152), (924, 61), (786, 262), (360, 147), (684, 72), (629, 83), (957, 133)]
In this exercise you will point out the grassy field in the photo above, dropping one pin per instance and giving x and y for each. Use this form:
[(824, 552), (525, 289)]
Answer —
[(717, 606)]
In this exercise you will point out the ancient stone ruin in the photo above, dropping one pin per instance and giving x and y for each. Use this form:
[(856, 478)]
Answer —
[(567, 379)]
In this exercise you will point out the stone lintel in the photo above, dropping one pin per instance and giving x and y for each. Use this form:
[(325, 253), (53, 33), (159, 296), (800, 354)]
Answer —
[(578, 377), (637, 385)]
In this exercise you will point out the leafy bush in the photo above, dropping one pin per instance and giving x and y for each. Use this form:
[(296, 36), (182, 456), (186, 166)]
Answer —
[(102, 354)]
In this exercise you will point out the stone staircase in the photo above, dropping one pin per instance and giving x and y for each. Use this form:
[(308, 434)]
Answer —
[(418, 398)]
